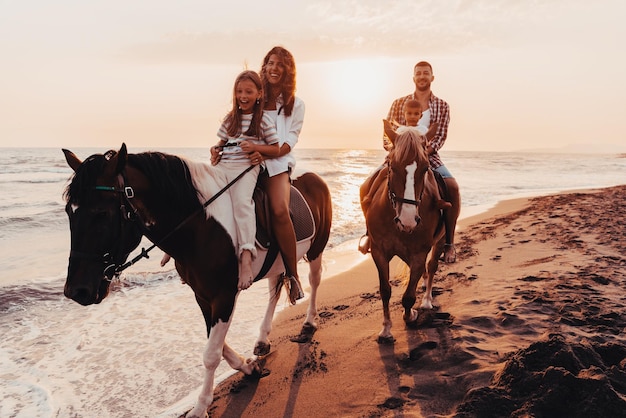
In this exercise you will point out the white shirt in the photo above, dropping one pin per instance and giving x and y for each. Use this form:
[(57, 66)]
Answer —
[(288, 129)]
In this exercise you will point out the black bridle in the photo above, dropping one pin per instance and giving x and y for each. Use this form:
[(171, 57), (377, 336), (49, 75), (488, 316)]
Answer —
[(131, 214), (395, 199)]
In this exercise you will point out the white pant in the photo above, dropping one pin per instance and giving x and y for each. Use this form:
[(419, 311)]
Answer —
[(243, 205)]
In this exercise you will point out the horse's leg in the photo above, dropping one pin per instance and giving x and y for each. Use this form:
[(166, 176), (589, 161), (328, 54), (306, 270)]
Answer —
[(315, 278), (417, 267), (382, 265), (237, 361), (429, 275), (262, 346), (211, 359)]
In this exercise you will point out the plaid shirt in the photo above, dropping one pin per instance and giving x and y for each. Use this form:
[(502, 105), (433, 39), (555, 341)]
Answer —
[(439, 112)]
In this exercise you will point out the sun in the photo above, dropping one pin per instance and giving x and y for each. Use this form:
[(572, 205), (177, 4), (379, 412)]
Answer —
[(357, 84)]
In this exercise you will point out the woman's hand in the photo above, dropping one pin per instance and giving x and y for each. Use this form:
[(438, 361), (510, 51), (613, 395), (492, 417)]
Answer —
[(247, 146), (216, 155), (255, 158)]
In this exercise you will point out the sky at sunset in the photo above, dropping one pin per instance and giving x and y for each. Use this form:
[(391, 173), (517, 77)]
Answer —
[(517, 74)]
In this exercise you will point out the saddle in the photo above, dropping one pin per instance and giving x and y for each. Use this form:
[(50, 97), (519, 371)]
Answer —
[(441, 183), (301, 217), (299, 211)]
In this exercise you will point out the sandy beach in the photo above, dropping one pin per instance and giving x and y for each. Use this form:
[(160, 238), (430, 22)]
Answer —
[(530, 322)]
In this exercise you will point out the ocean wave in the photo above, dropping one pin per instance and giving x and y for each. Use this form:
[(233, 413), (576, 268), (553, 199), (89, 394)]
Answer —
[(16, 297), (44, 219), (8, 180), (143, 279), (20, 296)]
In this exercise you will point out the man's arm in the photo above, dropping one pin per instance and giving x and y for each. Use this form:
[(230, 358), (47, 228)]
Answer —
[(440, 114)]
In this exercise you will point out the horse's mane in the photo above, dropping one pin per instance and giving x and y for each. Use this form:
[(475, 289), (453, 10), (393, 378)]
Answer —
[(169, 176), (84, 178), (407, 147)]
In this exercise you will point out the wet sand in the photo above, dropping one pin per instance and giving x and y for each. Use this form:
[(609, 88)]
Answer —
[(530, 322)]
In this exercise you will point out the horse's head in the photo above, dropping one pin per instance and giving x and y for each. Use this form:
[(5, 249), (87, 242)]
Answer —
[(102, 235), (407, 164)]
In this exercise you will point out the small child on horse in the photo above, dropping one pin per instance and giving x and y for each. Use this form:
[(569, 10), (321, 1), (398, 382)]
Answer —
[(412, 114), (245, 130)]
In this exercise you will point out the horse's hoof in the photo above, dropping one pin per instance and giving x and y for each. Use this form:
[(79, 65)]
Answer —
[(262, 349), (258, 369), (386, 340), (425, 317), (449, 254), (308, 329)]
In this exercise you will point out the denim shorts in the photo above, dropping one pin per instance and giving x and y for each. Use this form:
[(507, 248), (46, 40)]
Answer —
[(445, 173)]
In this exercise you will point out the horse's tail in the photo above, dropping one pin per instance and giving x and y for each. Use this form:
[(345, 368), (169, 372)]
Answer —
[(317, 194)]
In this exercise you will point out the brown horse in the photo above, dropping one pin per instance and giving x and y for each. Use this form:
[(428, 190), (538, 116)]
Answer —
[(116, 198), (400, 204)]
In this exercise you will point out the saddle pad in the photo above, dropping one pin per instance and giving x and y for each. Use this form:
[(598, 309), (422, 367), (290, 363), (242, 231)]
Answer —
[(301, 217)]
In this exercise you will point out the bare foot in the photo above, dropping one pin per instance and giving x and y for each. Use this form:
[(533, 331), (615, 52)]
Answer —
[(166, 258), (364, 244), (246, 276), (245, 280)]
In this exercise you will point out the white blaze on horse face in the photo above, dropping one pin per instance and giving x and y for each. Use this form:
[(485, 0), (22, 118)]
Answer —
[(408, 212), (74, 207)]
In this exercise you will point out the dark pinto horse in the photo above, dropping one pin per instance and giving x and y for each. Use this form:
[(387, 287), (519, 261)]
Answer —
[(403, 219), (116, 198)]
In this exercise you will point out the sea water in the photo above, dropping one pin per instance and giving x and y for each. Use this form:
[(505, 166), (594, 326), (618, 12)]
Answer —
[(139, 352)]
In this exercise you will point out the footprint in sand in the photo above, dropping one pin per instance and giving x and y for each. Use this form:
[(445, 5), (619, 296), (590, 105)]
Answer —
[(419, 351), (392, 403)]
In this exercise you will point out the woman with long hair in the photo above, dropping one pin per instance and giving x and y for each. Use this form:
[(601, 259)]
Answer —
[(278, 75)]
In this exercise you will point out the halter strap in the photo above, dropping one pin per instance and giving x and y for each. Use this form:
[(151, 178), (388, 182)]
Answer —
[(127, 191)]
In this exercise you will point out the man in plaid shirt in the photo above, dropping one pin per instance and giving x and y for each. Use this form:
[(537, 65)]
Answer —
[(436, 112)]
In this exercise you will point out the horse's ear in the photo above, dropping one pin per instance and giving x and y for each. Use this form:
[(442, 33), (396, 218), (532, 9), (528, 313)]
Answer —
[(72, 159), (432, 130), (122, 156), (388, 128)]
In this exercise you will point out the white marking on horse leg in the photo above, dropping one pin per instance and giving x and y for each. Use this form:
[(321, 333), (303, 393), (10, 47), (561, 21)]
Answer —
[(382, 265), (266, 324), (237, 361), (386, 331), (211, 359), (408, 212), (233, 358), (315, 278), (427, 299)]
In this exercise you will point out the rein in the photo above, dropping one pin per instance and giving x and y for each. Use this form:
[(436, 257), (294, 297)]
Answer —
[(128, 193)]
